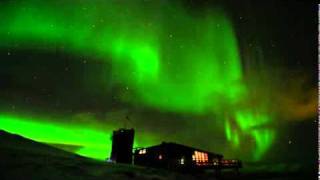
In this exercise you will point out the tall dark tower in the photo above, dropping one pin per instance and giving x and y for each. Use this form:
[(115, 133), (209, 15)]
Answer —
[(122, 144)]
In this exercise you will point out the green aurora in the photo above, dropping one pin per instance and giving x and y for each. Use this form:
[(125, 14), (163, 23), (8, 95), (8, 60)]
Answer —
[(94, 144), (169, 60), (91, 142)]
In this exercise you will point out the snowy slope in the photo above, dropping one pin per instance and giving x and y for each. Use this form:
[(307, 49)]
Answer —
[(22, 158)]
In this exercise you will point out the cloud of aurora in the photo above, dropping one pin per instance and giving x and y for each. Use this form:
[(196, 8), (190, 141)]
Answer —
[(167, 58)]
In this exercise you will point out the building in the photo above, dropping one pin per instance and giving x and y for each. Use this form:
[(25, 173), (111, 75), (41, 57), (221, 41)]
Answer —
[(122, 144), (177, 157)]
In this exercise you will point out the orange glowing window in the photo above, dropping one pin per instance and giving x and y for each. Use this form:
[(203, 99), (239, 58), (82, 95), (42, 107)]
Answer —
[(201, 158)]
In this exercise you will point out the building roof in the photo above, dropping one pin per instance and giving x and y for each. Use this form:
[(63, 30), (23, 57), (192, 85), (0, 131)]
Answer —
[(171, 144)]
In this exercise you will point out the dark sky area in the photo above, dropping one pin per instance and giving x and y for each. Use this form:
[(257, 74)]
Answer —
[(235, 77)]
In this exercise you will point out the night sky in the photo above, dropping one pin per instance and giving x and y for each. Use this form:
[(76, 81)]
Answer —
[(237, 78)]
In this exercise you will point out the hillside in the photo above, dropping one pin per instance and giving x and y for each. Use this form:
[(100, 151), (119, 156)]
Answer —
[(22, 158)]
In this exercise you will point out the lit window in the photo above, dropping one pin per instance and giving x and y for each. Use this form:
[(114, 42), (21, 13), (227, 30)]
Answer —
[(142, 151), (200, 158), (181, 161)]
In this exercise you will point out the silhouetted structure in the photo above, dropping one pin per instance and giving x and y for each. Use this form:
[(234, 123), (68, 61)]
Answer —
[(122, 143), (170, 156), (179, 157)]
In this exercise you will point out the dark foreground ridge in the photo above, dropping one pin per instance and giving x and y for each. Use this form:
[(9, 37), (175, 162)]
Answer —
[(23, 158)]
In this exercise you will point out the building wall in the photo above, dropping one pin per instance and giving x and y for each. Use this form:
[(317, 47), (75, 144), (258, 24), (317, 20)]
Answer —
[(174, 157), (122, 144)]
